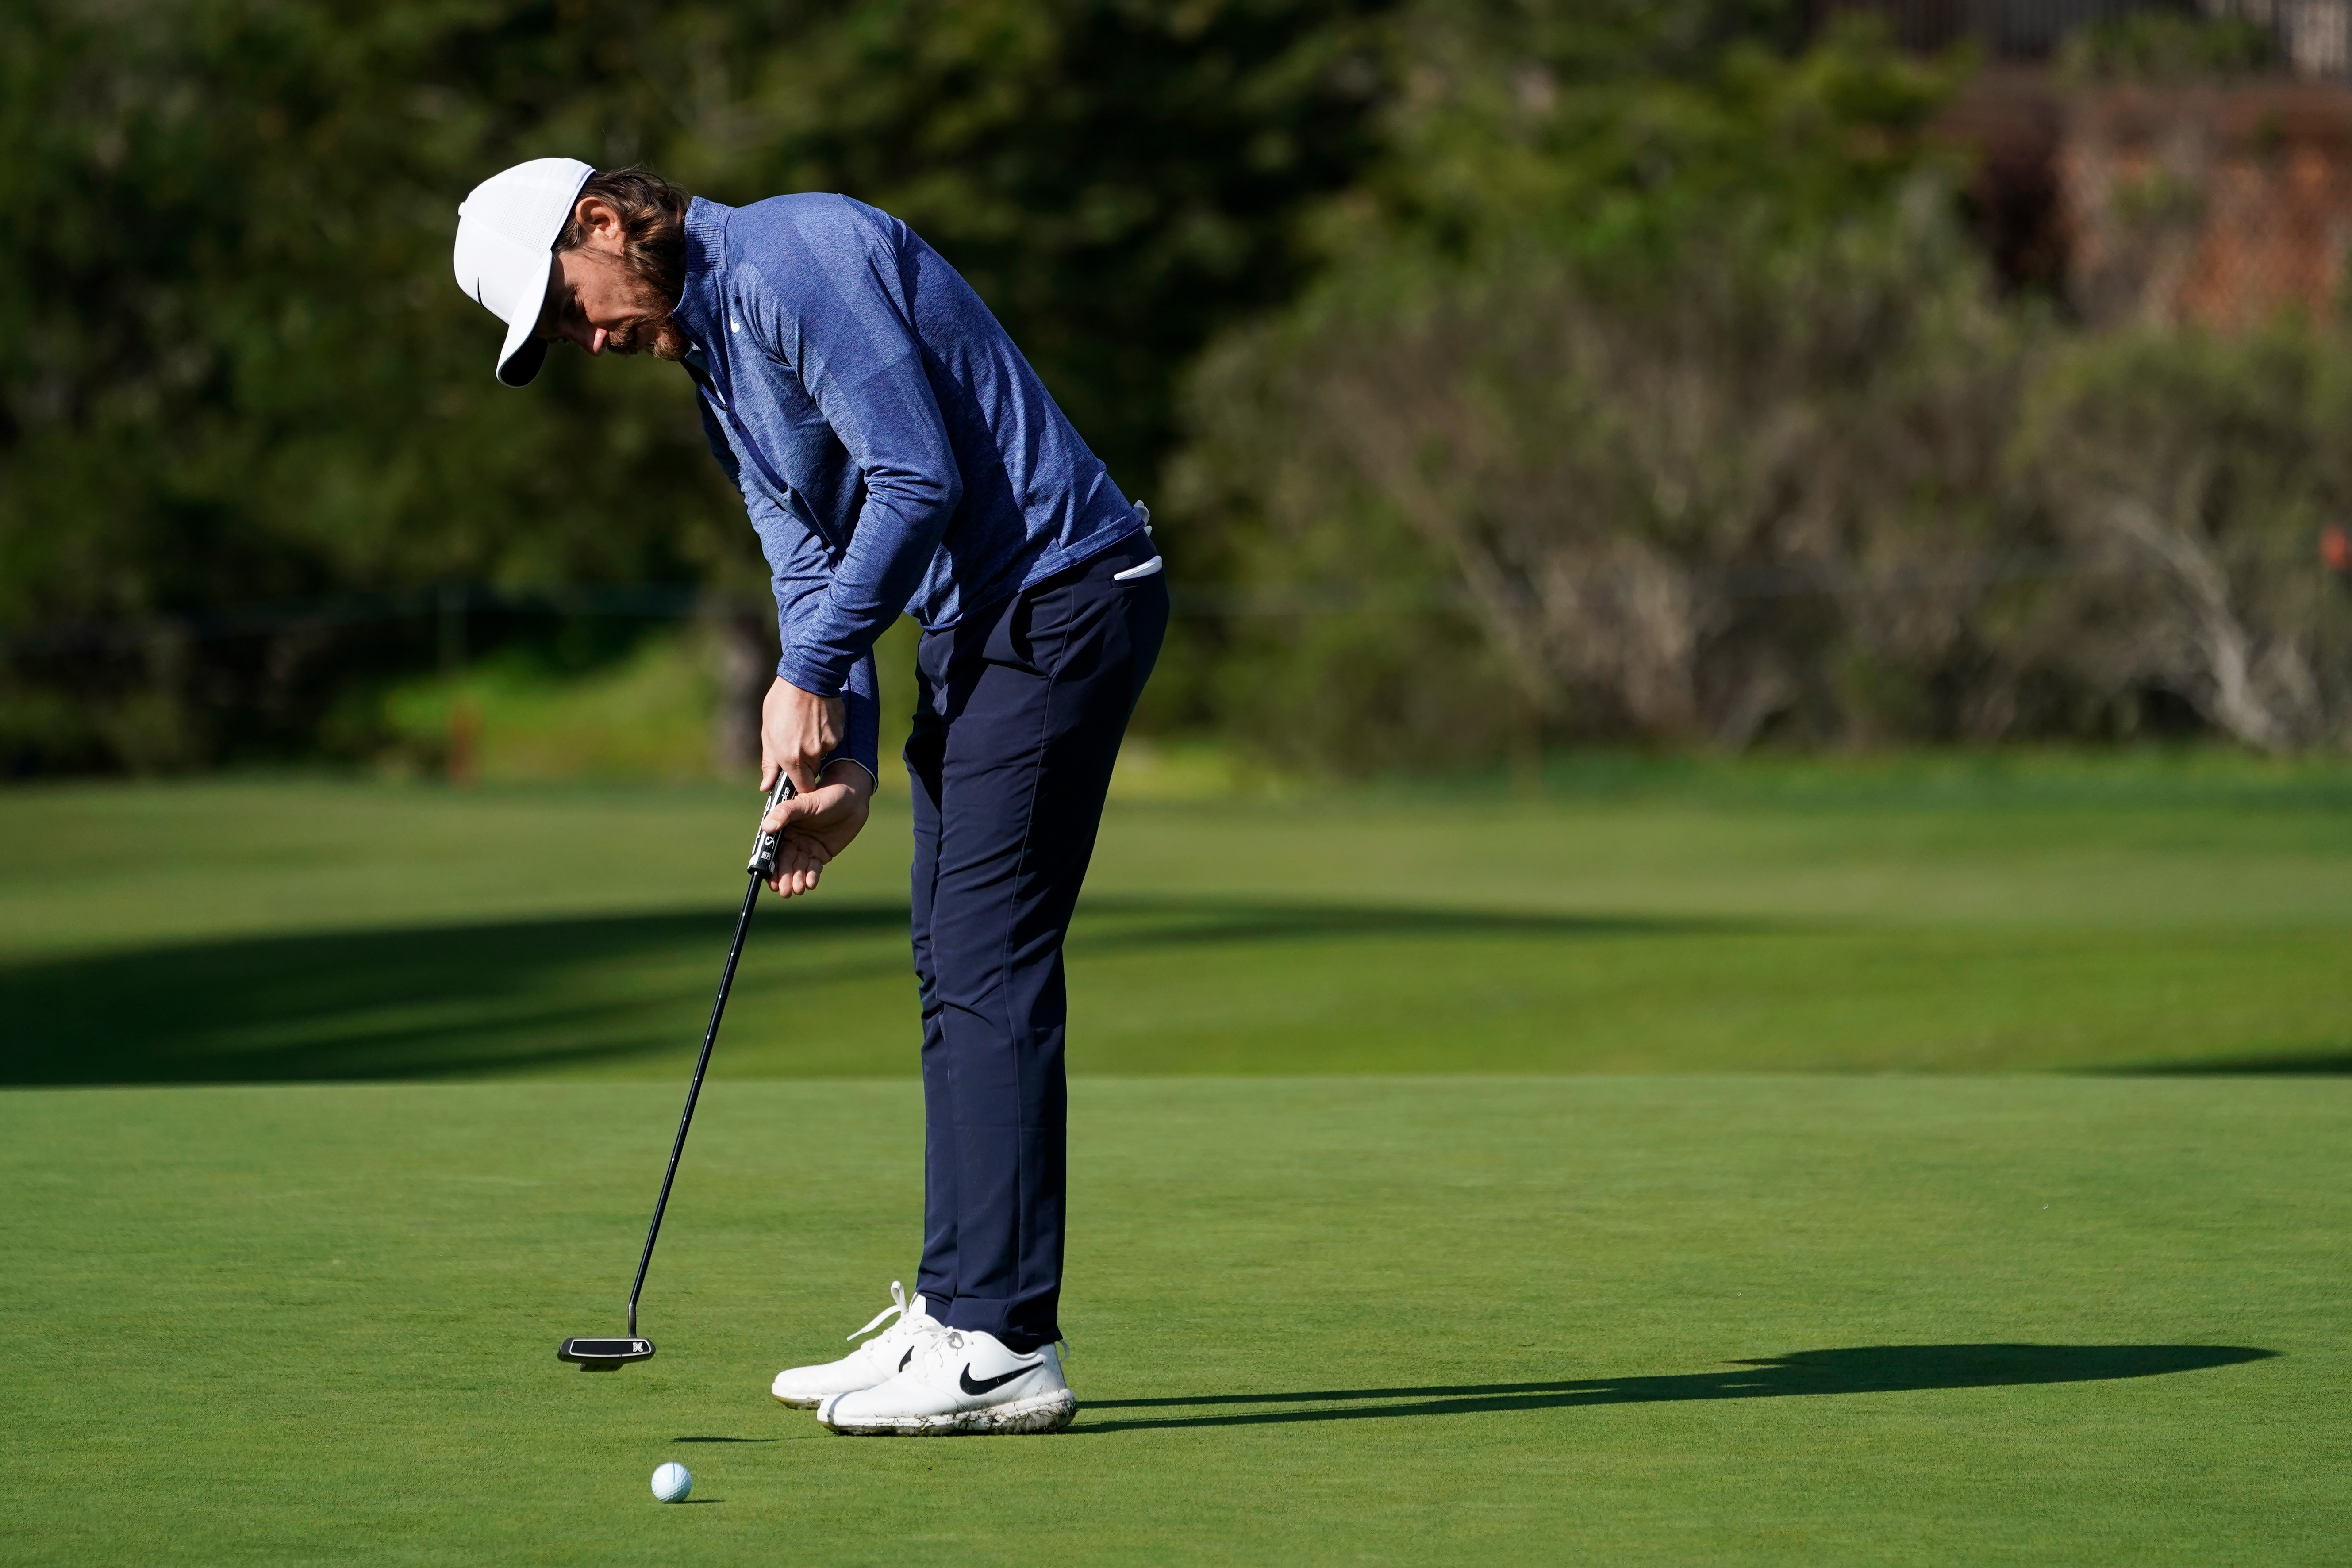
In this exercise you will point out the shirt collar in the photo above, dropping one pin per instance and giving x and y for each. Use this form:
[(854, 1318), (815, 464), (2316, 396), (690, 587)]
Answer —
[(701, 309)]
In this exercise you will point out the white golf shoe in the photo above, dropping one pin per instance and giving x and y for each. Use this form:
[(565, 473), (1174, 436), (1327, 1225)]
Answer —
[(959, 1381), (878, 1359)]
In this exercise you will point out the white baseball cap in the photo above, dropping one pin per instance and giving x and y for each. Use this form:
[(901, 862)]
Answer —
[(506, 229)]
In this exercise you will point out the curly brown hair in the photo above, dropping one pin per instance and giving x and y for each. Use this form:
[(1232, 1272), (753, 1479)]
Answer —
[(653, 227)]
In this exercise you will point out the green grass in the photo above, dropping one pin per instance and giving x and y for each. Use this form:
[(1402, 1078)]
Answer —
[(1764, 1321), (1946, 916), (1349, 1283)]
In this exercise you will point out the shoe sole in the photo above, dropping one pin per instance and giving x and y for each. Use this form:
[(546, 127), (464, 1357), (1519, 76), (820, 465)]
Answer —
[(1038, 1412), (798, 1404)]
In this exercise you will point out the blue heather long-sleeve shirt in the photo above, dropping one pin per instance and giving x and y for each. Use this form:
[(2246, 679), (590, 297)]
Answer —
[(894, 448)]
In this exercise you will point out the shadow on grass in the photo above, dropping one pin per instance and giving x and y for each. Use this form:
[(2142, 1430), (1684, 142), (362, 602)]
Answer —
[(399, 1004), (2335, 1063), (1861, 1369), (464, 1000)]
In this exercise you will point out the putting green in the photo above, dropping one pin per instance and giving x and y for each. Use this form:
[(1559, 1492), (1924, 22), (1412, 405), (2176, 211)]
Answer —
[(1956, 915), (1756, 1320), (1748, 1318)]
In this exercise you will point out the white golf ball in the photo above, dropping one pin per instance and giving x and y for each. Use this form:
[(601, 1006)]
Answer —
[(672, 1482)]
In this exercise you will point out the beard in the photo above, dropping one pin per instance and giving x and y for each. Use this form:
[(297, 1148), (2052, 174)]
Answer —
[(659, 336)]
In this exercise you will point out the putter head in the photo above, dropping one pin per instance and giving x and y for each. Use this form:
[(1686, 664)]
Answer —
[(603, 1355)]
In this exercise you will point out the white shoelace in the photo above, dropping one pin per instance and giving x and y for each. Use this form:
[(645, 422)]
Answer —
[(939, 1341), (942, 1345), (906, 1327)]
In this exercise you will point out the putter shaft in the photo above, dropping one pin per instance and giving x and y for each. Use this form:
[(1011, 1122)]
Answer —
[(762, 864)]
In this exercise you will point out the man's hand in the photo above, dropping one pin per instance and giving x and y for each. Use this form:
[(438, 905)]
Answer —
[(817, 825), (798, 730)]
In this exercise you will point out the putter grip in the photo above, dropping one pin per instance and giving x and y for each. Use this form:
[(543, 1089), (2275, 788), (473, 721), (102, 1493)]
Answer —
[(765, 845)]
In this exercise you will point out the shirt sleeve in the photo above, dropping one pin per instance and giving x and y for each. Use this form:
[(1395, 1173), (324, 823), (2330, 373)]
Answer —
[(798, 572), (857, 356)]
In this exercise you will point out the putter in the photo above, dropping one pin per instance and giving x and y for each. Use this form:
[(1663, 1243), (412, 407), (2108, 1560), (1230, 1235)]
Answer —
[(609, 1355)]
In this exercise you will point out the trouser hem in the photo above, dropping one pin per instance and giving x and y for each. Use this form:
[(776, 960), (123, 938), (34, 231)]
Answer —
[(980, 1315)]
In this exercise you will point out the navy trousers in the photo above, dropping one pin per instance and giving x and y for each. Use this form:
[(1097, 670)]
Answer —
[(1020, 709)]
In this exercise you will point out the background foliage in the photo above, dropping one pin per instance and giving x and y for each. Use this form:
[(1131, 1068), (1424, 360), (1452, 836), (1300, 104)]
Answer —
[(1676, 404), (1505, 373), (241, 373)]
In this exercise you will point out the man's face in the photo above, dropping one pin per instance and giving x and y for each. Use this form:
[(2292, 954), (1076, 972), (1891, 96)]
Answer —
[(594, 300)]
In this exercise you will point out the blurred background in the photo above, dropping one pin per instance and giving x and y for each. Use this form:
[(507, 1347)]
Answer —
[(1503, 377), (1707, 534), (1718, 539)]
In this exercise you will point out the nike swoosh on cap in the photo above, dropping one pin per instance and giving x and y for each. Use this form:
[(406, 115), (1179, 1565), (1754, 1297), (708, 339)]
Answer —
[(986, 1384)]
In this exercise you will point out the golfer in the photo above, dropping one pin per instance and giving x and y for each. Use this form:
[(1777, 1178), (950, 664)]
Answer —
[(896, 452)]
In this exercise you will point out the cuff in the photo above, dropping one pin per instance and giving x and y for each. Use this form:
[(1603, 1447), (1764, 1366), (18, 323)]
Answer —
[(873, 782), (861, 704), (818, 678)]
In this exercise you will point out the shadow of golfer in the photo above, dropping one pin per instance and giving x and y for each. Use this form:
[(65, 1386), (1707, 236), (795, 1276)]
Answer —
[(477, 997), (1861, 1369)]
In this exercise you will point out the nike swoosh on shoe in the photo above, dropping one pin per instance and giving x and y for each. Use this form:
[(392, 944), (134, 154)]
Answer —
[(987, 1383)]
